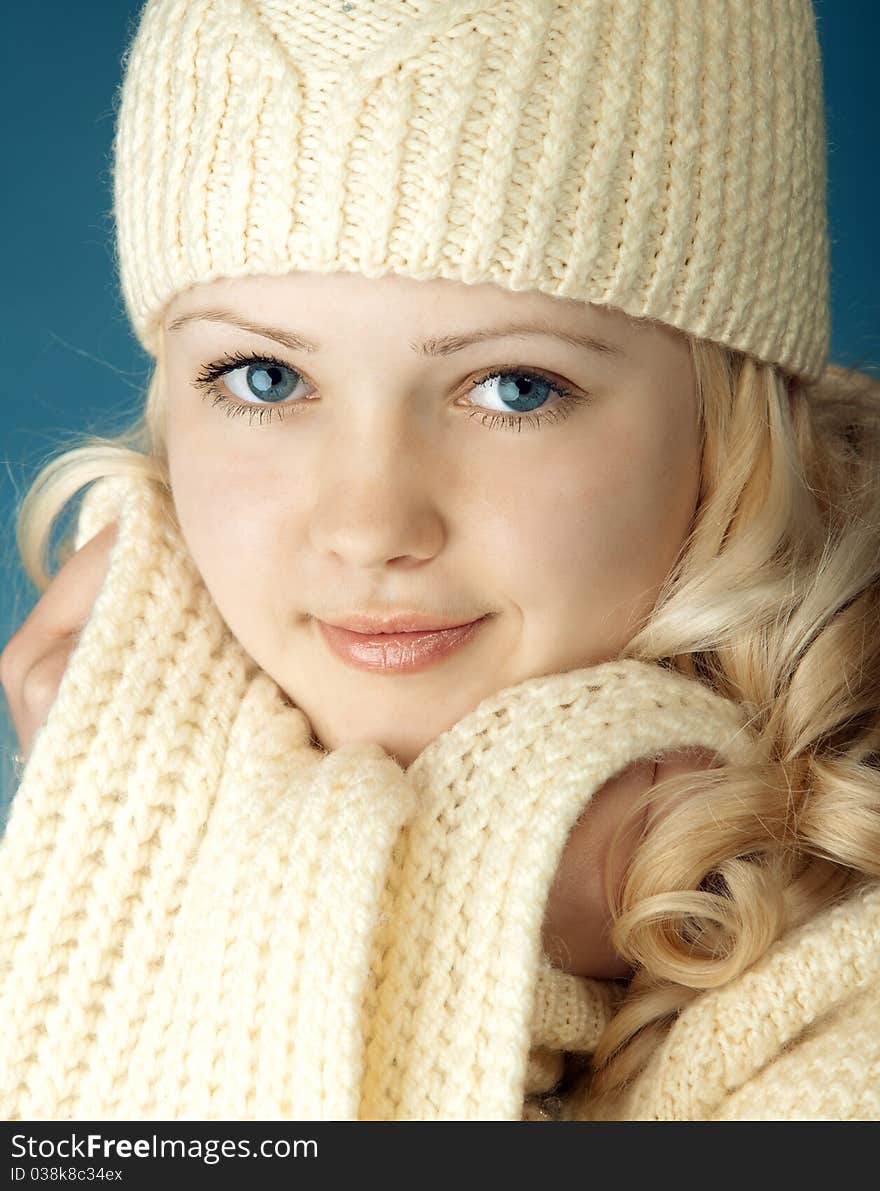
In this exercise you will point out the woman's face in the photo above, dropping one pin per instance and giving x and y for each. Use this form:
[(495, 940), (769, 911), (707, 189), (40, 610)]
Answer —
[(383, 469)]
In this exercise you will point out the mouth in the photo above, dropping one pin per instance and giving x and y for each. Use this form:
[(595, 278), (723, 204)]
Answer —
[(398, 651), (396, 623)]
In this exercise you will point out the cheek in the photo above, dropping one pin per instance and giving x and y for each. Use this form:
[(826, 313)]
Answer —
[(236, 531), (643, 515), (598, 528), (536, 527)]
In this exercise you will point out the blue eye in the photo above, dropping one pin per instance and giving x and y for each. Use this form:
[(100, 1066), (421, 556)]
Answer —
[(264, 384), (266, 381), (527, 396), (524, 395), (251, 377)]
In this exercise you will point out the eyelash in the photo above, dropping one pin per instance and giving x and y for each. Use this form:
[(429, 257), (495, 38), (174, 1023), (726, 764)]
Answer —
[(211, 373)]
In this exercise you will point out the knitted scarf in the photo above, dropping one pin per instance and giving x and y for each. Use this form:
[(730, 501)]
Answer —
[(204, 915)]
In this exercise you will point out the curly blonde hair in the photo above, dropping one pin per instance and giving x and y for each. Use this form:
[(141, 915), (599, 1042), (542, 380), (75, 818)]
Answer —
[(774, 602)]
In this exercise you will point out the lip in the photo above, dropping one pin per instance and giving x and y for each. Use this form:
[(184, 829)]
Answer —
[(399, 651), (399, 622)]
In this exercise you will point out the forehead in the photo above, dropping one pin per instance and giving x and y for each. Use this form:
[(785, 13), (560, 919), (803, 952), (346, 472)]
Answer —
[(428, 306)]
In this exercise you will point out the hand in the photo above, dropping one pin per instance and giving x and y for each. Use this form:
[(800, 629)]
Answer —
[(35, 657), (577, 917)]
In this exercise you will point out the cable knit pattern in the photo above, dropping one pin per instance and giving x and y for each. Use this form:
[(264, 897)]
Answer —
[(206, 916), (663, 157)]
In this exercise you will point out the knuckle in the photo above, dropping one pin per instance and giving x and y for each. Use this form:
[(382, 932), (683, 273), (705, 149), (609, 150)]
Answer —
[(683, 761), (11, 662), (39, 686)]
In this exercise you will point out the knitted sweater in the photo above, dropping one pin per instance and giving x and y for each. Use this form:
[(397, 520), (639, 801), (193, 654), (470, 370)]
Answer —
[(204, 915)]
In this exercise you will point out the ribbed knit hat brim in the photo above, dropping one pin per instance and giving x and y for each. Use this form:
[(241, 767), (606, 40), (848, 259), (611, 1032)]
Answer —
[(663, 157)]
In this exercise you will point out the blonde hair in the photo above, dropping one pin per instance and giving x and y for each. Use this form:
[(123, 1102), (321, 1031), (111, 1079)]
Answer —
[(774, 602)]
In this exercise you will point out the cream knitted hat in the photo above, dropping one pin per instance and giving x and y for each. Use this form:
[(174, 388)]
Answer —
[(664, 157)]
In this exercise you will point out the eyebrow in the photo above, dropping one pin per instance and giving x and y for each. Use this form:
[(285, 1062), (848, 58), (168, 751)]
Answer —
[(444, 345)]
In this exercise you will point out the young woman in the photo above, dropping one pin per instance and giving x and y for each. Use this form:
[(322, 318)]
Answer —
[(459, 698)]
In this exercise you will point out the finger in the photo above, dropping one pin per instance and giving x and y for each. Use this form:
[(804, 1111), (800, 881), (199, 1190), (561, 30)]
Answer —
[(66, 604), (679, 763), (687, 760), (39, 689)]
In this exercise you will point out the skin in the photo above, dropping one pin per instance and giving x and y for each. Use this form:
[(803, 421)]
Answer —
[(383, 491)]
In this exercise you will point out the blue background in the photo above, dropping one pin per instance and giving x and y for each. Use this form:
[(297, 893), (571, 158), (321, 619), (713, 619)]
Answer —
[(70, 362)]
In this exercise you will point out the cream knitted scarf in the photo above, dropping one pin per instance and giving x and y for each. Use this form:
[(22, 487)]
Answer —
[(204, 915)]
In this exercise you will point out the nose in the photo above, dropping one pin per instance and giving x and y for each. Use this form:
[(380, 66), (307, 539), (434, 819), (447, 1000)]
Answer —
[(377, 496)]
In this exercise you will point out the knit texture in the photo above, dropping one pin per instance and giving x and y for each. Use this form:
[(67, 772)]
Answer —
[(204, 915), (663, 157), (794, 1038)]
